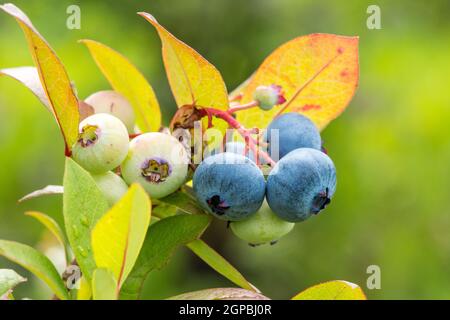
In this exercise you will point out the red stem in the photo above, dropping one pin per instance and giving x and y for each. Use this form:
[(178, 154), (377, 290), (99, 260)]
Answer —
[(249, 105), (236, 97), (250, 142), (134, 135)]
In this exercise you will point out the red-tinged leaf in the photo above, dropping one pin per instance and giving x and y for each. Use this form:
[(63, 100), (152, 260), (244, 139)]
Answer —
[(193, 80), (318, 74), (54, 79)]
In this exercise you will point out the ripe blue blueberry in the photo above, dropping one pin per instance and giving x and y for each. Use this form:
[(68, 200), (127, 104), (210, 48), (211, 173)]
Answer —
[(294, 131), (229, 186), (102, 143), (263, 227), (158, 161), (301, 184), (115, 104), (111, 185)]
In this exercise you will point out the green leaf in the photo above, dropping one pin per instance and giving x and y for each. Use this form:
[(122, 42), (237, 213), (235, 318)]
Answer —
[(332, 290), (183, 201), (54, 79), (219, 264), (8, 280), (83, 206), (125, 78), (163, 238), (29, 77), (118, 236), (54, 228), (36, 263), (163, 210), (104, 285), (221, 294), (48, 190)]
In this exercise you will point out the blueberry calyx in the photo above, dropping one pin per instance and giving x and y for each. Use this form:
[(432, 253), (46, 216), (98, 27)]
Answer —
[(156, 170), (320, 201), (217, 205), (88, 136), (185, 117)]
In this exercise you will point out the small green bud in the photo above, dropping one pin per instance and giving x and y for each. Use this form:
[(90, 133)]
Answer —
[(268, 96)]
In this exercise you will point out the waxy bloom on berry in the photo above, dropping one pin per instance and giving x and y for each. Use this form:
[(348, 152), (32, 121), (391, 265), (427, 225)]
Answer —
[(102, 143)]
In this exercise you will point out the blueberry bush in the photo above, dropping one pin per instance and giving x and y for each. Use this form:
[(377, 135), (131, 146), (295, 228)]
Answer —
[(134, 191)]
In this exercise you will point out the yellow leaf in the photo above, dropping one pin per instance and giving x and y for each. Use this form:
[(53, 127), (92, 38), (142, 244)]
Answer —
[(53, 77), (118, 236), (318, 74), (54, 228), (219, 264), (126, 79), (85, 290), (332, 290), (193, 80), (104, 285)]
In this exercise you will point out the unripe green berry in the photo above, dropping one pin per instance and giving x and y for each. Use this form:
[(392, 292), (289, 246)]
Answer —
[(102, 143), (111, 185), (157, 161), (115, 104), (268, 96), (262, 227)]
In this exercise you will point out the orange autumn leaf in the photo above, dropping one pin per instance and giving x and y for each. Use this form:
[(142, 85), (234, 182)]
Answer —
[(53, 76), (318, 74), (192, 78)]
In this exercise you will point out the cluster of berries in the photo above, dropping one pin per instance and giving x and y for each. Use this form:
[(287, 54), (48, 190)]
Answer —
[(232, 187), (229, 183), (262, 209), (158, 161)]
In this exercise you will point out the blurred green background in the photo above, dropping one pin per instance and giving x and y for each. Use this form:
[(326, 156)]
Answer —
[(391, 147)]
